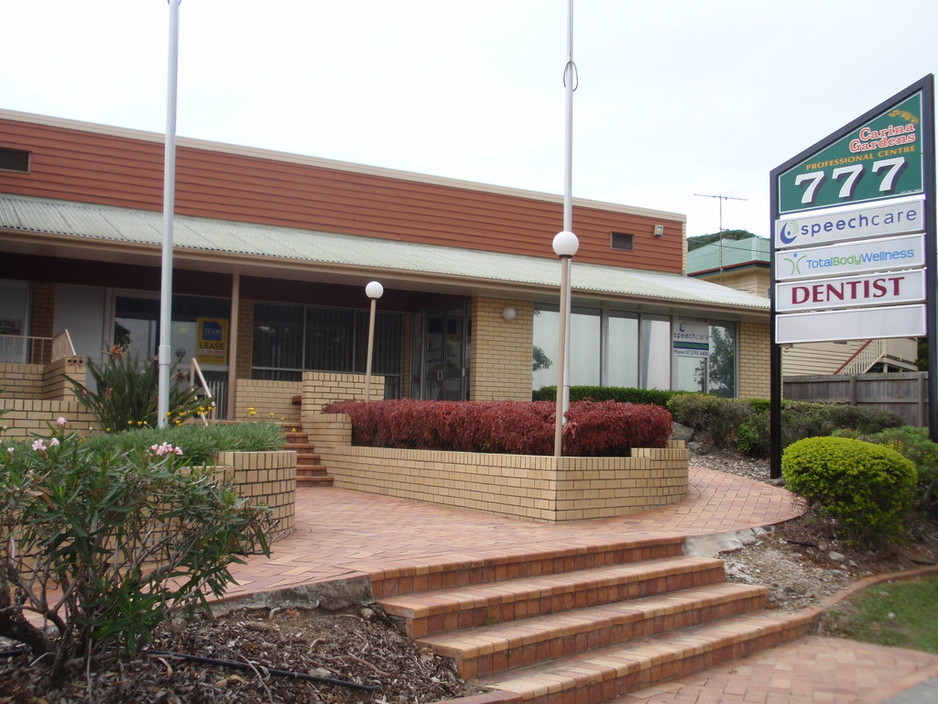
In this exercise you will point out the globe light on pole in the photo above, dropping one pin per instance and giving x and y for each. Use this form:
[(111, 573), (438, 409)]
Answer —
[(374, 291), (565, 246)]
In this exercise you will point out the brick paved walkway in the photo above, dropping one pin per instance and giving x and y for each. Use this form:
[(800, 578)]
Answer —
[(343, 534)]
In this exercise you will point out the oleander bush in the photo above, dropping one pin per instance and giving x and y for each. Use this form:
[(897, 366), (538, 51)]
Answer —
[(512, 427), (868, 488), (99, 545)]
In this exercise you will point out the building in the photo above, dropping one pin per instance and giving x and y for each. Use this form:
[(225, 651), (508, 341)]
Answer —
[(273, 252), (744, 265)]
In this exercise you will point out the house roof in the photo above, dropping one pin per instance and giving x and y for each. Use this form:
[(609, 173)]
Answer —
[(729, 254), (40, 225)]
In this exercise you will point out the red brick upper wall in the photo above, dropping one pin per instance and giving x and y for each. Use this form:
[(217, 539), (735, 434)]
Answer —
[(88, 163)]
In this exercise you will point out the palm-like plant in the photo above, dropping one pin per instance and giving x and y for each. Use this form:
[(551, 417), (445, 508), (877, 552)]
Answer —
[(126, 392)]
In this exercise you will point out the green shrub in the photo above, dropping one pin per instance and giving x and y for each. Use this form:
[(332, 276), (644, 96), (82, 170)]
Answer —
[(620, 394), (801, 419), (718, 417), (103, 545), (126, 393), (199, 442), (913, 444), (868, 488)]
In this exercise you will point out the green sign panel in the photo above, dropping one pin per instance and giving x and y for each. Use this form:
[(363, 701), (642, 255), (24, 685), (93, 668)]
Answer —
[(880, 159)]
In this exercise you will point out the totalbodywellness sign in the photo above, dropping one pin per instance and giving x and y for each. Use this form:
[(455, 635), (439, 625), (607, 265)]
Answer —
[(850, 216)]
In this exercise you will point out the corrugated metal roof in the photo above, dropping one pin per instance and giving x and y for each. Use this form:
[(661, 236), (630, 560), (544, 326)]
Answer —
[(124, 225), (731, 253)]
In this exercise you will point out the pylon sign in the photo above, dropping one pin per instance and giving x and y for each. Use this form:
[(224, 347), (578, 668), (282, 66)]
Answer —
[(854, 255), (850, 217)]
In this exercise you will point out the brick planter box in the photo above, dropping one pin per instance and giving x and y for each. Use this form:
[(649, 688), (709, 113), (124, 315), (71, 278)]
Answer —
[(270, 479), (541, 488)]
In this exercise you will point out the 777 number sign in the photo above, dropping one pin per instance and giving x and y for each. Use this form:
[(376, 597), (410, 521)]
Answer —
[(880, 159)]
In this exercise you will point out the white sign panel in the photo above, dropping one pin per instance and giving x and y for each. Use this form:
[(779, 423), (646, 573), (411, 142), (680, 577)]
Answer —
[(906, 252), (813, 228), (691, 338), (856, 324), (848, 292)]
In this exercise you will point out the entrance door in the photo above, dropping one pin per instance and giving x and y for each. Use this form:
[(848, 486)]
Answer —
[(445, 357)]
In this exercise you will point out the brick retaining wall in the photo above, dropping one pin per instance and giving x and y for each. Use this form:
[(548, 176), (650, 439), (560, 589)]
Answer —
[(541, 488)]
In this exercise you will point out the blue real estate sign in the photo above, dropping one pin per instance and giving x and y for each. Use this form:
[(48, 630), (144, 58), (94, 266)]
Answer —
[(850, 217)]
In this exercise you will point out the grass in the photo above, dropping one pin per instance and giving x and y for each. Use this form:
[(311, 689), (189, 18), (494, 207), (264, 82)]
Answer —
[(899, 614)]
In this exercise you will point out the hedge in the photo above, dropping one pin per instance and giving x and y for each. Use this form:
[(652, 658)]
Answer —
[(621, 394), (593, 429)]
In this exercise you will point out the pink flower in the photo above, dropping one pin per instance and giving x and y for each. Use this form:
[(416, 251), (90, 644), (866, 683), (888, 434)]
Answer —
[(166, 449), (39, 445), (53, 442), (60, 421), (10, 451)]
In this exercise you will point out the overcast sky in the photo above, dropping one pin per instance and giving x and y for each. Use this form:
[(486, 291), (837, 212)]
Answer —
[(675, 97)]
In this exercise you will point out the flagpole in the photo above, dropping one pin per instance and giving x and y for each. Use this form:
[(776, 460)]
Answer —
[(169, 204)]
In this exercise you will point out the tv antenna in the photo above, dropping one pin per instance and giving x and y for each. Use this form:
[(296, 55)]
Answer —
[(721, 199)]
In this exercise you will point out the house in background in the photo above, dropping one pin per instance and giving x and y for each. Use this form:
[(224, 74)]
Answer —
[(744, 265), (273, 252)]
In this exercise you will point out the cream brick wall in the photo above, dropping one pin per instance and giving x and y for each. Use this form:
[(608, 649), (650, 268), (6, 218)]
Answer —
[(322, 388), (754, 360), (540, 488), (26, 417), (269, 479), (271, 400), (501, 350), (54, 384), (20, 381)]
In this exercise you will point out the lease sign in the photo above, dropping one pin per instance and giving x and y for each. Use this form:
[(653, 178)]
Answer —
[(880, 159)]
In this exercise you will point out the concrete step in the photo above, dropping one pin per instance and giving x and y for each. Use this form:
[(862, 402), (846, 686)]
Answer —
[(479, 605), (502, 647)]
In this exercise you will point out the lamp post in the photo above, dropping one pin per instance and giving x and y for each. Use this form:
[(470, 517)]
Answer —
[(374, 291), (565, 246)]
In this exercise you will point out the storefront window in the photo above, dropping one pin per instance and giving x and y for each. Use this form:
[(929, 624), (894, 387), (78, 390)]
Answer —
[(291, 339), (619, 348)]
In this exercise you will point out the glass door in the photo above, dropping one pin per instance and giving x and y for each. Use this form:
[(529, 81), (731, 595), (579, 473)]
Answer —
[(443, 350)]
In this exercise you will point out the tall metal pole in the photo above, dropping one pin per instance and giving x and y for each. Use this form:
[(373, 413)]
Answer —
[(565, 245), (169, 206), (374, 290)]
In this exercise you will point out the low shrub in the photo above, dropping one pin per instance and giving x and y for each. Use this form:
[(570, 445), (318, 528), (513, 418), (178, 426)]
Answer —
[(718, 417), (913, 444), (868, 488), (622, 394), (199, 442), (511, 427), (102, 545), (801, 419)]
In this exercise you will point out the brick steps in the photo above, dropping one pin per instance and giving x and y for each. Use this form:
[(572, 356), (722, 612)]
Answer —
[(309, 470), (498, 602), (582, 625), (494, 649)]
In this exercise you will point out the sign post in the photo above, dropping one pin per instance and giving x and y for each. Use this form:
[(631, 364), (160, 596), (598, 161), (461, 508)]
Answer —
[(853, 246)]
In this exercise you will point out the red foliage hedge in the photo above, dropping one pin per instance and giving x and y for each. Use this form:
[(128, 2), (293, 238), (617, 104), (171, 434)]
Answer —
[(593, 429)]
